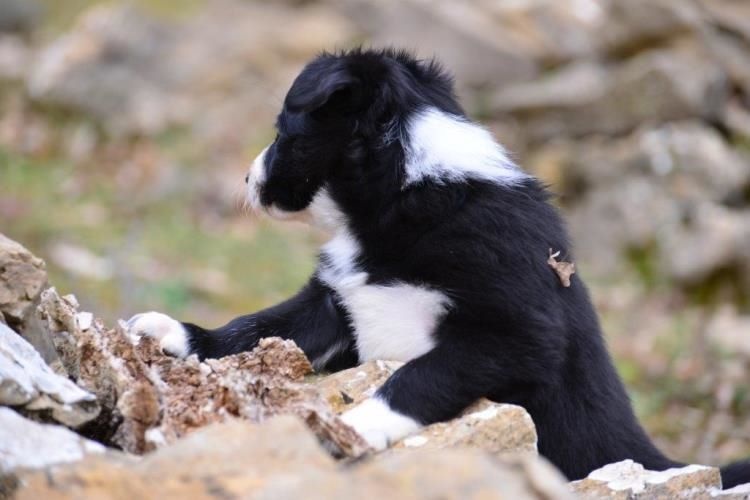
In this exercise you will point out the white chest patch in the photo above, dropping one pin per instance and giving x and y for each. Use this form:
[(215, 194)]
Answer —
[(394, 321)]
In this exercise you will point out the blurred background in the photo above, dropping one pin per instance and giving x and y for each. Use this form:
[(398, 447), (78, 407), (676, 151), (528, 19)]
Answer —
[(126, 131)]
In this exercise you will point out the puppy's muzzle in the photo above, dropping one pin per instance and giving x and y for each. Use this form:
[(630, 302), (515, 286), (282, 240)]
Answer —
[(255, 179)]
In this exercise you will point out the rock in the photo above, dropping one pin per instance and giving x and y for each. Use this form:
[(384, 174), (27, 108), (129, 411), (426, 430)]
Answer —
[(728, 329), (737, 120), (224, 62), (656, 86), (149, 399), (28, 383), (281, 459), (515, 41), (456, 473), (109, 68), (664, 187), (741, 492), (628, 480), (731, 15), (496, 428), (692, 160), (347, 388), (231, 459), (26, 445), (633, 25), (686, 258), (18, 16), (15, 57), (22, 279), (454, 30), (732, 55)]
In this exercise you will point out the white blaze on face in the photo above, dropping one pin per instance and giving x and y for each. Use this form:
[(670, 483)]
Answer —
[(255, 179)]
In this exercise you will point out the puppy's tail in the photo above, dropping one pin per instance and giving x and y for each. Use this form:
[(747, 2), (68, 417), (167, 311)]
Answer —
[(735, 473)]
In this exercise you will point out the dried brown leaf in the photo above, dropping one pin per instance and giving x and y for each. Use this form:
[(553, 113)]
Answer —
[(563, 269)]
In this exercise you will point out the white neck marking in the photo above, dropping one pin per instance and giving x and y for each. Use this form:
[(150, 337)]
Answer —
[(448, 148)]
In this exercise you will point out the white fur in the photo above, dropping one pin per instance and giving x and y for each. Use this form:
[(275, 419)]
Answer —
[(445, 147), (324, 212), (170, 333), (394, 321), (380, 426), (255, 179), (342, 253), (320, 362)]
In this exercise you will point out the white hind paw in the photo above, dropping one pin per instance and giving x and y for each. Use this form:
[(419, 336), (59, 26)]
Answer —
[(172, 336)]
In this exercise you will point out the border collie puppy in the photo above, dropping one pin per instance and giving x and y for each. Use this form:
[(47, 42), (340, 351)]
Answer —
[(438, 258)]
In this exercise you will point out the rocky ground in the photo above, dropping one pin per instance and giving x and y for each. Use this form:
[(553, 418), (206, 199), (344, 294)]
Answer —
[(92, 412), (636, 112)]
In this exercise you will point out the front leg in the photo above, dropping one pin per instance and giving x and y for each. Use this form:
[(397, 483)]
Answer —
[(464, 367), (311, 318)]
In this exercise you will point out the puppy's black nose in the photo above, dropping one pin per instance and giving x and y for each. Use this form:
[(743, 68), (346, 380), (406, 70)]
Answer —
[(247, 178)]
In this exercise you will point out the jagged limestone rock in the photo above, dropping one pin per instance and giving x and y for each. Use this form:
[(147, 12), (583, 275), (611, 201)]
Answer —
[(28, 383)]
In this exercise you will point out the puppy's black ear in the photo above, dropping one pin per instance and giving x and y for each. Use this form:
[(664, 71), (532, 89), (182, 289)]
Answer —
[(315, 87)]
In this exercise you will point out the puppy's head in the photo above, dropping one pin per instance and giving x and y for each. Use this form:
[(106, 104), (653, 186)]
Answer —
[(339, 125)]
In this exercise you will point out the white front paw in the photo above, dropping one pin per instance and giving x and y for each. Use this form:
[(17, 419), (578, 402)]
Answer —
[(380, 426), (172, 336)]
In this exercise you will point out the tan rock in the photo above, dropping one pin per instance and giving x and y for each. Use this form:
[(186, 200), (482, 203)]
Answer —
[(280, 459), (224, 61), (731, 15), (728, 329), (231, 459), (458, 473), (628, 480), (347, 388), (23, 276), (454, 29), (655, 86), (631, 26), (496, 428), (665, 186)]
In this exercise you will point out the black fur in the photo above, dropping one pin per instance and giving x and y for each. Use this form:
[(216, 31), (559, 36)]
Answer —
[(513, 333)]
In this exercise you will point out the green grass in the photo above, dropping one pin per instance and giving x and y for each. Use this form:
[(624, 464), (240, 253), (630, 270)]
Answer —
[(59, 15), (49, 201)]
